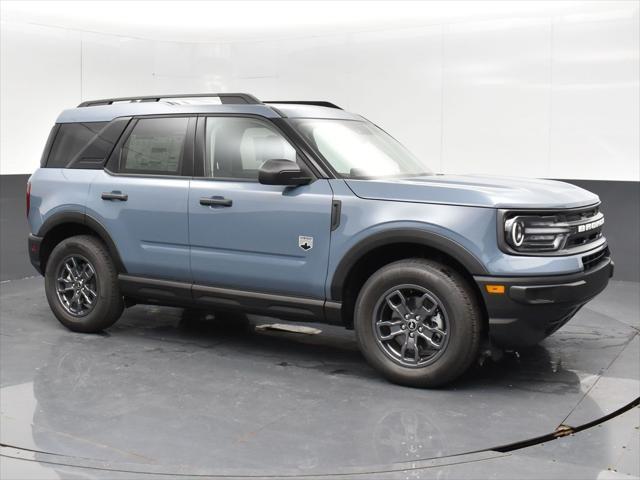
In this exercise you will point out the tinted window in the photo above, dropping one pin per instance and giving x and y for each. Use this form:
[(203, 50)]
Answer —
[(96, 152), (71, 140), (48, 145), (155, 146), (237, 147)]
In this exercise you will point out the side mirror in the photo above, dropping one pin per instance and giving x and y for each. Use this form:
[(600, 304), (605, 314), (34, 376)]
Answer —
[(282, 172)]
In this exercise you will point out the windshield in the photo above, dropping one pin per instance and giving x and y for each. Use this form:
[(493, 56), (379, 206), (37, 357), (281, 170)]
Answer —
[(359, 149)]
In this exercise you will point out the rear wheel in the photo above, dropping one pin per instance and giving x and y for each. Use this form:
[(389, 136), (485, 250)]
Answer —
[(81, 283), (418, 323)]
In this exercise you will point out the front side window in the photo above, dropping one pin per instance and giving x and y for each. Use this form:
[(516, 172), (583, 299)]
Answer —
[(358, 149), (155, 146), (236, 148)]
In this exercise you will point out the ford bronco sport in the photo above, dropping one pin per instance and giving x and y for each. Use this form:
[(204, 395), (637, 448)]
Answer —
[(304, 211)]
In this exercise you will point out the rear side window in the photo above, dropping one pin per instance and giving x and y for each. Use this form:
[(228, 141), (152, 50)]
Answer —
[(48, 145), (70, 140), (155, 146), (84, 145)]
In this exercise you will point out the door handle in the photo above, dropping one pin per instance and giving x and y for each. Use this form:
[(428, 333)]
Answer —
[(115, 195), (215, 201)]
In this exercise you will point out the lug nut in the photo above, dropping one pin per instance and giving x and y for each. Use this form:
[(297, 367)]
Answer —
[(420, 329), (403, 327), (411, 334)]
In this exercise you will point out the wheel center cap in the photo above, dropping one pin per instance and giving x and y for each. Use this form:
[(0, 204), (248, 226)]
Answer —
[(412, 325)]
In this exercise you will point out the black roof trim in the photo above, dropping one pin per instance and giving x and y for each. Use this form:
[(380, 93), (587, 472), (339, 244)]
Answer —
[(225, 98), (318, 103)]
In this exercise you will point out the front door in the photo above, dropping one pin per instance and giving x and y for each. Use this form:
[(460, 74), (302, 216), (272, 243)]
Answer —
[(253, 237)]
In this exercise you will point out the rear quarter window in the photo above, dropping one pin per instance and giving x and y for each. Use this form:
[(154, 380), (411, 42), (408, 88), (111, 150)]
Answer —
[(84, 145), (47, 146)]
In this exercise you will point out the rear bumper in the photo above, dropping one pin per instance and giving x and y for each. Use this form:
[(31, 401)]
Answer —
[(34, 243), (532, 308)]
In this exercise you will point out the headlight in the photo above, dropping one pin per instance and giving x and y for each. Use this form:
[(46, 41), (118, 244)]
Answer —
[(534, 234), (563, 232), (516, 232)]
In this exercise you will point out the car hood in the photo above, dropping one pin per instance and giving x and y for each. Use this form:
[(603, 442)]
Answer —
[(476, 190)]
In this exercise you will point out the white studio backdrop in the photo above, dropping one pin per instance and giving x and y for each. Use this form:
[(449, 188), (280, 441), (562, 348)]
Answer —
[(553, 96)]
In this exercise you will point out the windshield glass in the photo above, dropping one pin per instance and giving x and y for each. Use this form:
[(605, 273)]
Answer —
[(358, 149)]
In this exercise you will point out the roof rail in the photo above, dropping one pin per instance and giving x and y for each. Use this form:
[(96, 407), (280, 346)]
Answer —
[(225, 98), (318, 103)]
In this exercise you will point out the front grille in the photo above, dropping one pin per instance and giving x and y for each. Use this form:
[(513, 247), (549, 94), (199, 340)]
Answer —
[(552, 232), (585, 227), (578, 238), (590, 261), (580, 216)]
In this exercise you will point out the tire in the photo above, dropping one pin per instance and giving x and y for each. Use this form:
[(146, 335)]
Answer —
[(107, 304), (454, 323)]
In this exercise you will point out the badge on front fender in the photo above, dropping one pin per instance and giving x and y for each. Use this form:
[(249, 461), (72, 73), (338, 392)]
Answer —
[(305, 243)]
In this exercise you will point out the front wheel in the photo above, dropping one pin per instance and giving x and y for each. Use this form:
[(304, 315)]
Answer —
[(81, 283), (418, 322)]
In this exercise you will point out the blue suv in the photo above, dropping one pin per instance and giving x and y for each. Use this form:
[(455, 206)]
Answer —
[(301, 210)]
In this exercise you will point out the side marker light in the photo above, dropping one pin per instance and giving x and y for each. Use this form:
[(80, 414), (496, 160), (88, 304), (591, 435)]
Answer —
[(495, 289)]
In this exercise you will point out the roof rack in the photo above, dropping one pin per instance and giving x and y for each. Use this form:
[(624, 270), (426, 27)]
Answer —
[(318, 103), (225, 98)]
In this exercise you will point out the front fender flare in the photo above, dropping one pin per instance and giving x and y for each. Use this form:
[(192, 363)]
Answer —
[(402, 235)]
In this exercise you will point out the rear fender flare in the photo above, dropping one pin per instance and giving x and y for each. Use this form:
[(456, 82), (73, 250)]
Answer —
[(83, 219)]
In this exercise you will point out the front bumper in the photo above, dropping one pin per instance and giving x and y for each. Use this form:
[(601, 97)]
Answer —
[(532, 308)]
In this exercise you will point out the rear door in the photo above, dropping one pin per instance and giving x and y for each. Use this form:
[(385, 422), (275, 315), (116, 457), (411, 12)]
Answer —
[(141, 197), (258, 238)]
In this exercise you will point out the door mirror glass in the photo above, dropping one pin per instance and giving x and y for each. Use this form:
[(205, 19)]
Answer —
[(282, 172)]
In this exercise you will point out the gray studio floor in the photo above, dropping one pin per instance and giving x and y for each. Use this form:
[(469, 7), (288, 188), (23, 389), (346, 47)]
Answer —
[(158, 394)]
